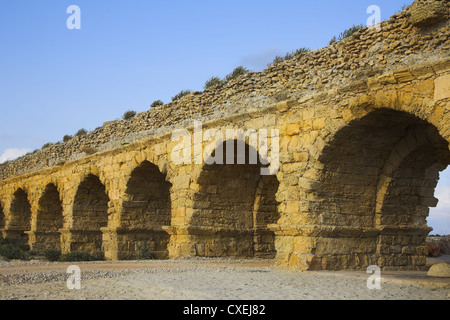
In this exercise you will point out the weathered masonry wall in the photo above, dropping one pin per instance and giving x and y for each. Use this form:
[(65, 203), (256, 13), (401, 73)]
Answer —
[(362, 142)]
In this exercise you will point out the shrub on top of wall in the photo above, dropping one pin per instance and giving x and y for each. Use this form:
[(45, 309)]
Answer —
[(156, 103), (129, 115), (289, 55), (239, 71), (347, 33), (81, 132), (181, 95), (213, 82)]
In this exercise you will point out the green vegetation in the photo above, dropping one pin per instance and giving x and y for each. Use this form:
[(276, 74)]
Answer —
[(77, 256), (289, 55), (239, 71), (67, 137), (32, 152), (45, 146), (52, 255), (156, 103), (129, 115), (216, 81), (14, 249), (347, 33), (213, 82), (10, 252), (146, 254), (81, 132), (181, 95)]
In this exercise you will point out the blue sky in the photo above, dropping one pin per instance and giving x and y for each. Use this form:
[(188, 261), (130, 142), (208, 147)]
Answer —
[(128, 54)]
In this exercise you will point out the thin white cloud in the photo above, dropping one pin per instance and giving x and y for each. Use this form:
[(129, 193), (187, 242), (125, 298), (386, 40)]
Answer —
[(12, 154)]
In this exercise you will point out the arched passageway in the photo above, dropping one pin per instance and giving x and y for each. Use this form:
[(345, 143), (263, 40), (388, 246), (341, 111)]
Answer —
[(20, 216), (233, 207), (146, 209), (49, 220), (90, 214), (377, 184)]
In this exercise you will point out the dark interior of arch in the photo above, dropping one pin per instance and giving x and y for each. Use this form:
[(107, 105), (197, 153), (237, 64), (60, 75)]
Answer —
[(90, 214), (2, 218), (353, 164), (146, 209), (49, 220), (233, 207), (20, 221)]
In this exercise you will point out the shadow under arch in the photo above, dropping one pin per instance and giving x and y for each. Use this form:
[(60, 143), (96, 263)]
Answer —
[(375, 189), (234, 206), (2, 219), (49, 220), (90, 215), (146, 208), (19, 223)]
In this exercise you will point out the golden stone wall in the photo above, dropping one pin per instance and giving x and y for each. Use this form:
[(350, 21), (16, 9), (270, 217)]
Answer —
[(358, 168)]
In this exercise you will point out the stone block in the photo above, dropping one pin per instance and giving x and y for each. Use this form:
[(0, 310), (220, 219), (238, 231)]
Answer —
[(403, 75), (440, 270), (433, 249), (442, 88), (182, 182)]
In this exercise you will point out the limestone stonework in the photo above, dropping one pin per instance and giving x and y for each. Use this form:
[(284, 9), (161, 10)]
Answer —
[(364, 130)]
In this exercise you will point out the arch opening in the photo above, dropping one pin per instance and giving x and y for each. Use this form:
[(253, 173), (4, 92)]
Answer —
[(439, 218), (19, 223), (377, 185), (90, 215), (146, 209), (49, 220), (233, 208)]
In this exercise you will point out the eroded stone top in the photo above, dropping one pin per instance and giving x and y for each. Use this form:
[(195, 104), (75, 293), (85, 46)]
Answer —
[(418, 34)]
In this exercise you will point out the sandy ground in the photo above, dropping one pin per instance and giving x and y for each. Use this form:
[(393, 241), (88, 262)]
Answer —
[(208, 279)]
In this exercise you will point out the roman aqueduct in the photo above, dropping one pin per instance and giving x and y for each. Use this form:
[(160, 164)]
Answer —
[(364, 130)]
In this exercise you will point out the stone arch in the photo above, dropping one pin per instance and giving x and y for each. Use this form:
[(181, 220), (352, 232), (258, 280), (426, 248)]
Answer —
[(374, 185), (405, 193), (19, 223), (146, 208), (90, 215), (265, 213), (49, 220), (233, 207)]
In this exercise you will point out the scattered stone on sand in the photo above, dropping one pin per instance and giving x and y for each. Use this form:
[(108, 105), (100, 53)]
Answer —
[(207, 279), (440, 270), (433, 249)]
